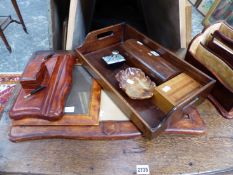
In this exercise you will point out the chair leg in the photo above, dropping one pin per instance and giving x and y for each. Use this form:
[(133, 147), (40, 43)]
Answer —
[(5, 41), (16, 7)]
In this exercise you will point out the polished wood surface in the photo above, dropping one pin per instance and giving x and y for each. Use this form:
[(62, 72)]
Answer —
[(91, 118), (108, 130), (45, 103), (72, 127), (144, 114), (105, 130), (155, 66), (34, 73), (166, 155), (174, 91)]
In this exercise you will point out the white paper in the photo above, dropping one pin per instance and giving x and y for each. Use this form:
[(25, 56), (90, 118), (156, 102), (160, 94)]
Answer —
[(69, 109)]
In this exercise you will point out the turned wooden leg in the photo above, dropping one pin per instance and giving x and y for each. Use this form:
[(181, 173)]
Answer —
[(14, 2), (5, 40)]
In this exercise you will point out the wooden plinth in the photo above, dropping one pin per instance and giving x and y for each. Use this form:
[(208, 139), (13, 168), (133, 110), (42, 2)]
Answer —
[(113, 130)]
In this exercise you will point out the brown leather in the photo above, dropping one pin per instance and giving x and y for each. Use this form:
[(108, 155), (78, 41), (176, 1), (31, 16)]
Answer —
[(221, 97), (224, 55), (48, 103), (221, 37), (156, 67)]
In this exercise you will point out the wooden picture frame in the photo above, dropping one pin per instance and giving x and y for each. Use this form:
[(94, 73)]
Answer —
[(91, 118), (194, 2), (204, 6), (220, 11)]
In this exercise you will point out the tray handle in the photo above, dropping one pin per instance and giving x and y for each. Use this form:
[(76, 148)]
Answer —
[(102, 38), (105, 35)]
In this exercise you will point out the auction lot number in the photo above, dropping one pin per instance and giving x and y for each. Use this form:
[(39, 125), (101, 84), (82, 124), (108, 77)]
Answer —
[(143, 169)]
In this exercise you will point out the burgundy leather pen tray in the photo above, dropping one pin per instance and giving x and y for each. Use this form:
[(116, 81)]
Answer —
[(56, 75), (141, 52)]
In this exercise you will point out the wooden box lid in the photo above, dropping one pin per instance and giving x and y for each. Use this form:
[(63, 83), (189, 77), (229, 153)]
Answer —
[(174, 91)]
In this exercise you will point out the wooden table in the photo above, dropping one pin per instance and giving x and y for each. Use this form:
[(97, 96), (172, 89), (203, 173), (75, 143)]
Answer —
[(167, 154)]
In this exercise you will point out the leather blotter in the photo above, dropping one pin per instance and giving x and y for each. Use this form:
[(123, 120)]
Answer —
[(48, 103)]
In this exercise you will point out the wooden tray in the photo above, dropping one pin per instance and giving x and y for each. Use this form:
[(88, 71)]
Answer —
[(143, 113)]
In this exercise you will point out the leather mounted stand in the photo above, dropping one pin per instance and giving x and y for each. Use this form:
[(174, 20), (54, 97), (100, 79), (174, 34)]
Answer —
[(201, 53)]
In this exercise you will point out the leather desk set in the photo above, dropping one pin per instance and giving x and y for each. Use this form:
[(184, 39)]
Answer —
[(212, 52), (58, 98)]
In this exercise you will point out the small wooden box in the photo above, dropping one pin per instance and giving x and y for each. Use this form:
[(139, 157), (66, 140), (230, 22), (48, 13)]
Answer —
[(171, 93)]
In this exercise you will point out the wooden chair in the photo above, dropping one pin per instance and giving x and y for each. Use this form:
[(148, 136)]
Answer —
[(6, 20)]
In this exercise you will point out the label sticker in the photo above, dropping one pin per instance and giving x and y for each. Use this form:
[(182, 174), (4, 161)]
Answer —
[(166, 88), (69, 109), (143, 169), (154, 53)]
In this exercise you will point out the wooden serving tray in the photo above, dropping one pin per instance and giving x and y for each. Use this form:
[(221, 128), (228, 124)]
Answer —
[(143, 113)]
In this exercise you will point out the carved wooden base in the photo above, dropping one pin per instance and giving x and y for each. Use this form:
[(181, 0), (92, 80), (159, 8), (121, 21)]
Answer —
[(190, 124), (221, 110), (105, 130)]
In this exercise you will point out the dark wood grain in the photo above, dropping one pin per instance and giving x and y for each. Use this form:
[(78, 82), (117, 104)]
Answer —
[(158, 68), (108, 130), (144, 114)]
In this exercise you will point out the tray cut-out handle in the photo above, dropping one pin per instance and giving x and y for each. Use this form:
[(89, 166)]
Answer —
[(105, 35), (102, 38)]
